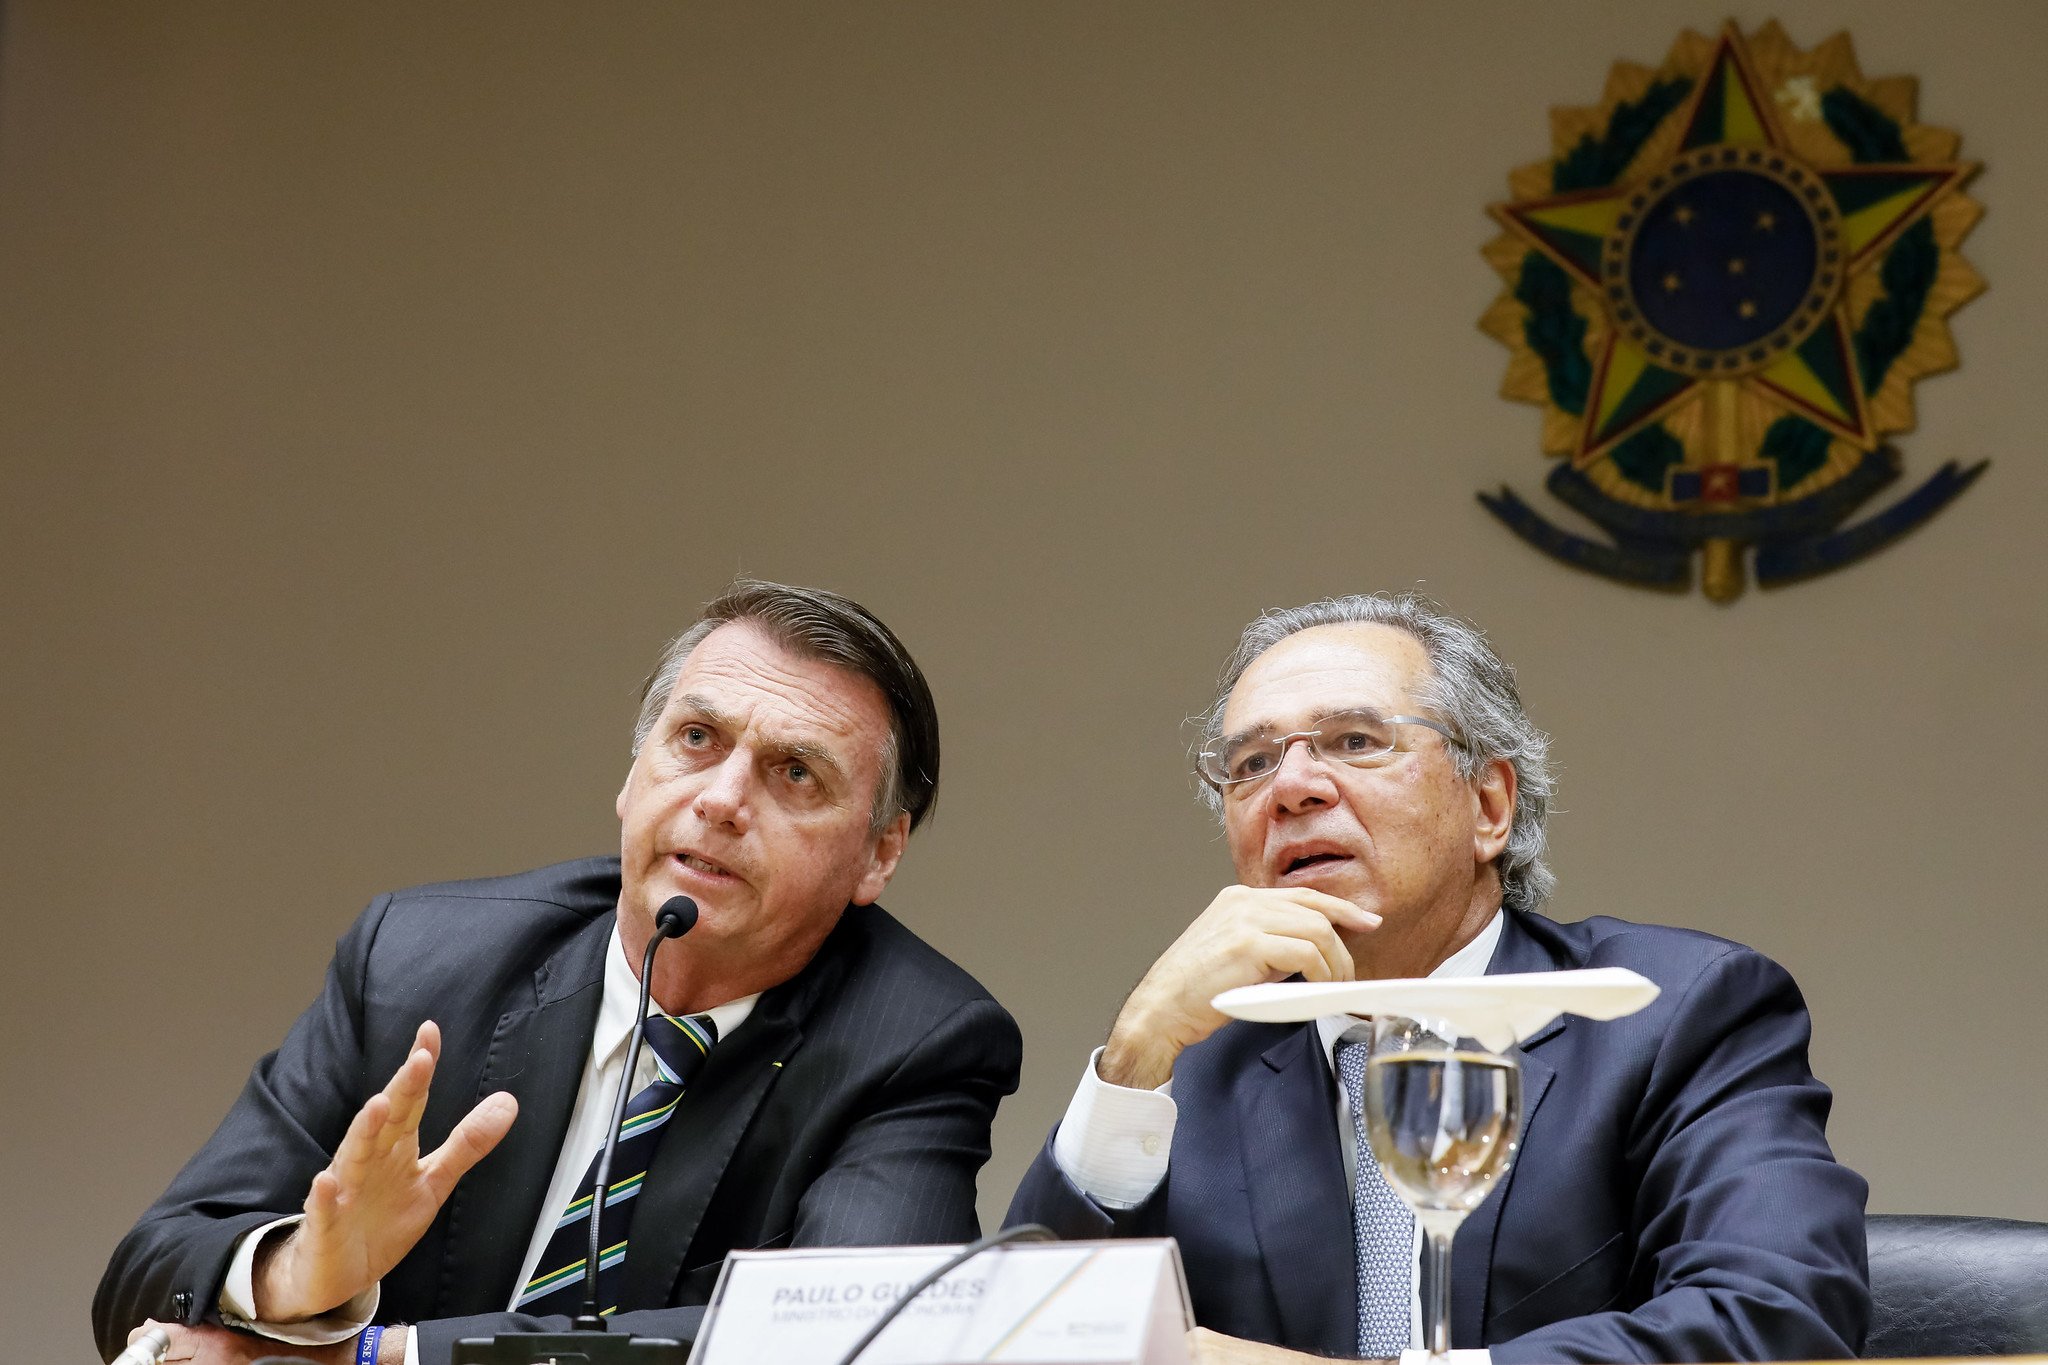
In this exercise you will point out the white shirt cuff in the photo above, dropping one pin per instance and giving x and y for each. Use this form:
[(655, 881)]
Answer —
[(1114, 1141), (238, 1298)]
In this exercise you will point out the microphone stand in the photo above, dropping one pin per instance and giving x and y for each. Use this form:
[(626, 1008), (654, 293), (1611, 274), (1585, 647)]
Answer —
[(590, 1338)]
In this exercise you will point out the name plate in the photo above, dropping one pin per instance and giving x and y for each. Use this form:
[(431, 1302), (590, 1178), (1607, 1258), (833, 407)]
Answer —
[(1025, 1303)]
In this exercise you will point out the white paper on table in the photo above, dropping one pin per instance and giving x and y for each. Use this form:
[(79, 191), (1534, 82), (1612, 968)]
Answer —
[(1499, 1011)]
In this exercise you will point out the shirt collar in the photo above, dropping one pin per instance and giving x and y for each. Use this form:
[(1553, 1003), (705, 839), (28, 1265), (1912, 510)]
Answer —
[(622, 993), (1470, 960)]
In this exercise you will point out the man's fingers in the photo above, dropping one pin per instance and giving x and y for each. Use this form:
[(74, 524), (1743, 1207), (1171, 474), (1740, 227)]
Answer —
[(1292, 921), (480, 1130), (1333, 908), (1250, 900), (392, 1115), (323, 1200), (363, 1143), (407, 1091), (1328, 943), (1284, 956), (1339, 958), (1332, 958)]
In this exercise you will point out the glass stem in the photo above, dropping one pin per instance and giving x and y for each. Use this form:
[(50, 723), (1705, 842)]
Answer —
[(1436, 1308)]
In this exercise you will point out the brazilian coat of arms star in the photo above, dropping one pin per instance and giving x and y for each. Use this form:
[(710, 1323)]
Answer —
[(1721, 288)]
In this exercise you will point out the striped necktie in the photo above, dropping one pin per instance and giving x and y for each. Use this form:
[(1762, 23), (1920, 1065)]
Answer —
[(1382, 1228), (680, 1046)]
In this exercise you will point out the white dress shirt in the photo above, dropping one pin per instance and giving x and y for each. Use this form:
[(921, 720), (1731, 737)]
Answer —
[(589, 1122), (1115, 1141)]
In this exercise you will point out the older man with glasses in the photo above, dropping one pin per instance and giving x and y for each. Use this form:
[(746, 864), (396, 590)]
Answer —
[(1384, 797)]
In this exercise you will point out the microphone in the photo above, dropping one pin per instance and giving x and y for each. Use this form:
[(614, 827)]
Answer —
[(586, 1339), (677, 916)]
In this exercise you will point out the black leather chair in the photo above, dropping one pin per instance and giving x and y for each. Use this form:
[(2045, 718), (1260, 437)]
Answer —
[(1951, 1286)]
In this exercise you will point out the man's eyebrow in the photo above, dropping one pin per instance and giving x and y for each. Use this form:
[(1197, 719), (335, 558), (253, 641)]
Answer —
[(1239, 736), (700, 705), (1269, 730), (811, 755), (1346, 712)]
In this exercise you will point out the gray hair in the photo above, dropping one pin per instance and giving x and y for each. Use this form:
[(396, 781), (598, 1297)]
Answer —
[(1469, 686), (837, 630)]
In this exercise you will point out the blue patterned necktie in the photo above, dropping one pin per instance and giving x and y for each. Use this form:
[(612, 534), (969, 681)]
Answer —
[(680, 1046), (1382, 1228)]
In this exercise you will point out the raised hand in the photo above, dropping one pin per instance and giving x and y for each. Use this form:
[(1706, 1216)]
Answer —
[(377, 1196), (1246, 936)]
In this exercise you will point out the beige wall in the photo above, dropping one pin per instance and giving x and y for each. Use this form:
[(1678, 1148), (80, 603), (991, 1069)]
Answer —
[(380, 383)]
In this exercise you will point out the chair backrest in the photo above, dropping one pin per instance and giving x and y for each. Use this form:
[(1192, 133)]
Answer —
[(1950, 1286)]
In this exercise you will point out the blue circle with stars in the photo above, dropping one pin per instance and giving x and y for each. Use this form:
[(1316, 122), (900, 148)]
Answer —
[(1723, 260)]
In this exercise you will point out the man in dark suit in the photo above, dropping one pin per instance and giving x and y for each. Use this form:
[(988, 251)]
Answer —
[(786, 747), (1384, 796)]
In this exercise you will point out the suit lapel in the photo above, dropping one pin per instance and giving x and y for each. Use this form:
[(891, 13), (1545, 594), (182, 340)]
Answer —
[(698, 1144), (1472, 1252), (1300, 1208), (537, 1052)]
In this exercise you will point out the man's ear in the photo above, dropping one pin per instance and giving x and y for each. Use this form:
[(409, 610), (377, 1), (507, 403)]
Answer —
[(883, 856), (1493, 810)]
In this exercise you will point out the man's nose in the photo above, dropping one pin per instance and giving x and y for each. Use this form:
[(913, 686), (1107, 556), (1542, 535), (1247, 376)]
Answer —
[(1303, 777), (724, 797)]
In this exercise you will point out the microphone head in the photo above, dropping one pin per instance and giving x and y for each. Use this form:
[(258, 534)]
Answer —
[(677, 916)]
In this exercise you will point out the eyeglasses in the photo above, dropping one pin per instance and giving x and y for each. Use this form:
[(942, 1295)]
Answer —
[(1363, 738)]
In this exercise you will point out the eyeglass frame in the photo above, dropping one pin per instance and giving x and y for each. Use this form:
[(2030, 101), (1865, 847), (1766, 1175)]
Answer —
[(1225, 786)]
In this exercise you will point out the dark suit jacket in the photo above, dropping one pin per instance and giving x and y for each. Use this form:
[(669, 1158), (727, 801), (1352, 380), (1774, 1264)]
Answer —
[(1673, 1197), (852, 1107)]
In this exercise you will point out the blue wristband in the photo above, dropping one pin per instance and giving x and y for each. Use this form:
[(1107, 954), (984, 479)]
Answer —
[(366, 1345)]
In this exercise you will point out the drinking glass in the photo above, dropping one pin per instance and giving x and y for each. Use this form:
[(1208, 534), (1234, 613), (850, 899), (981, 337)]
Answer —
[(1442, 1115)]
